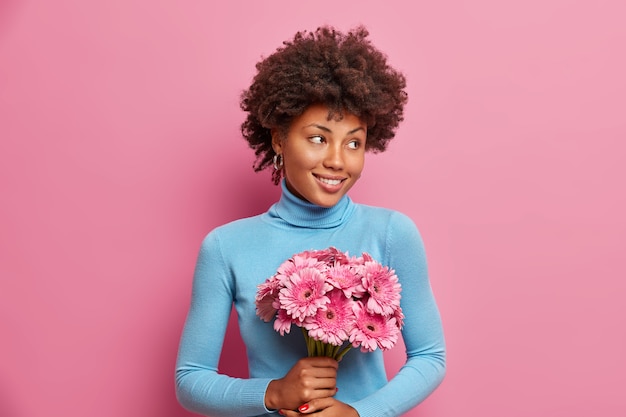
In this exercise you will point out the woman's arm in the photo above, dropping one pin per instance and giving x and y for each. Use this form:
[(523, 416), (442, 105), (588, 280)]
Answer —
[(199, 387), (424, 368)]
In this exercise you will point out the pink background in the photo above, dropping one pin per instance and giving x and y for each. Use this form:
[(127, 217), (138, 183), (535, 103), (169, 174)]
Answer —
[(120, 149)]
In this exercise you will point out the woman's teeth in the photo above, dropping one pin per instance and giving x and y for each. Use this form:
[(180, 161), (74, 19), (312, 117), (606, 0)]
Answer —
[(328, 181)]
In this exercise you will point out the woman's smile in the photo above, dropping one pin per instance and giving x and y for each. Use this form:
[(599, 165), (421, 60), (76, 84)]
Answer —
[(330, 182)]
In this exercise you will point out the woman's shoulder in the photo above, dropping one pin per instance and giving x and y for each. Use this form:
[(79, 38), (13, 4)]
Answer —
[(241, 223), (377, 213), (236, 229)]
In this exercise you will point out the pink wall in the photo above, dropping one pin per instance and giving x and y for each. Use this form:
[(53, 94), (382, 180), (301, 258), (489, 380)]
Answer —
[(120, 150)]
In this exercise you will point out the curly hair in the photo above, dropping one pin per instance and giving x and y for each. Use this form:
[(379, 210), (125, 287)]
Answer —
[(345, 72)]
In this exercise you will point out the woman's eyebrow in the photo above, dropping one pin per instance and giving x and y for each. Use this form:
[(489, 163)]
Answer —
[(321, 127), (356, 130), (326, 129)]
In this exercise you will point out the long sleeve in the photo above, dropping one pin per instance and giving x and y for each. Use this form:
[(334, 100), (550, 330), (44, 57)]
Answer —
[(199, 386), (423, 334)]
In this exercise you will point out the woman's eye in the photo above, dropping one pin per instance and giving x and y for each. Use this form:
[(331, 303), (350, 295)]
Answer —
[(354, 144), (317, 139)]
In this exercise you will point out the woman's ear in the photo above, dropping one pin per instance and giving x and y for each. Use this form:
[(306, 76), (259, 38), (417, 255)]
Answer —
[(277, 141)]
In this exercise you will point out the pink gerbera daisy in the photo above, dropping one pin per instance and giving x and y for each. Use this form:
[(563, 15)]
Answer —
[(334, 323), (328, 256), (295, 264), (345, 278), (373, 330), (399, 316), (381, 283), (266, 298), (304, 293), (283, 322)]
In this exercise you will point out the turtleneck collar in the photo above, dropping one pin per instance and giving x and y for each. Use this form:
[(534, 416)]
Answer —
[(301, 213)]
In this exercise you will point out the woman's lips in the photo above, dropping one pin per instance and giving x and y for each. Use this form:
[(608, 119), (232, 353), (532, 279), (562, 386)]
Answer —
[(330, 183)]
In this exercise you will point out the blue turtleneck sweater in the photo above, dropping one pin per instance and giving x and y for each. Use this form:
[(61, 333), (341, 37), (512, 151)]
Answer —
[(238, 256)]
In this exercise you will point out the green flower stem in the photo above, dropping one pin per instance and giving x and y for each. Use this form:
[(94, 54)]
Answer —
[(319, 348), (343, 352)]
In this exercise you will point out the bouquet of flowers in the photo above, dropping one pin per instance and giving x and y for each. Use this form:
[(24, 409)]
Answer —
[(339, 301)]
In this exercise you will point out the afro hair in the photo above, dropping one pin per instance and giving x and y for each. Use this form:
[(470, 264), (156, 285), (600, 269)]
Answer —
[(342, 71)]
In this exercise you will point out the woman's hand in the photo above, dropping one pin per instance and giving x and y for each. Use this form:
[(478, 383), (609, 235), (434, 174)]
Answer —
[(322, 407), (309, 379)]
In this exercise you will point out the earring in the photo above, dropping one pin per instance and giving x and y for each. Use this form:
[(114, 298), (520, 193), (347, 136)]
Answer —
[(278, 161)]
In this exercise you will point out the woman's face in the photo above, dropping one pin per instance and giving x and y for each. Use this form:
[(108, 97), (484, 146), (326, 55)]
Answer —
[(322, 158)]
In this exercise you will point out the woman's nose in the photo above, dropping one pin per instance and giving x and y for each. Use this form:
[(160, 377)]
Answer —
[(333, 158)]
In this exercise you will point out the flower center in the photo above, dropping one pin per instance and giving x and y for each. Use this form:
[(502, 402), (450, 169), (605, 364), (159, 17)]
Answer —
[(330, 315), (370, 327), (307, 293)]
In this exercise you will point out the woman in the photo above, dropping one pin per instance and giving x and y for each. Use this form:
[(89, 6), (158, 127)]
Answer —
[(314, 108)]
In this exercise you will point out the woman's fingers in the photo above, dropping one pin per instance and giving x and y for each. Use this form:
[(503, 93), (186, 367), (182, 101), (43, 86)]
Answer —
[(316, 405), (312, 406), (321, 361), (323, 407), (308, 379), (323, 383)]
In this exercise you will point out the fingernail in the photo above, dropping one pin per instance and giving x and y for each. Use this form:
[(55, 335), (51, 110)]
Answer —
[(281, 412), (303, 408)]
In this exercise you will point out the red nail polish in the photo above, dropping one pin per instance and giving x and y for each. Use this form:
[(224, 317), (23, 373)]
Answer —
[(281, 412), (303, 408)]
